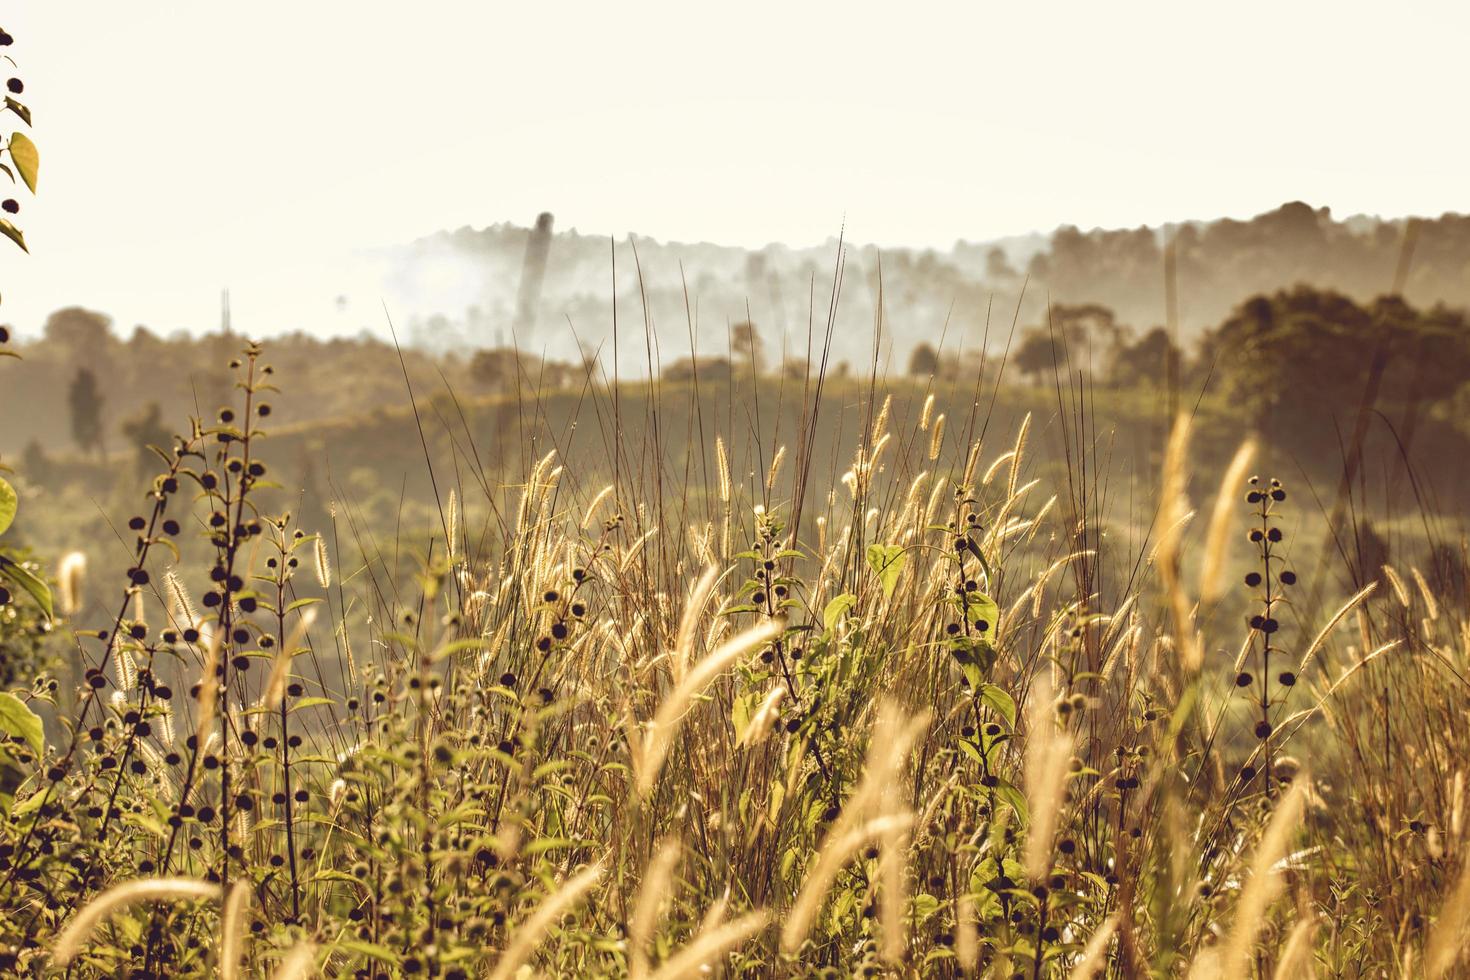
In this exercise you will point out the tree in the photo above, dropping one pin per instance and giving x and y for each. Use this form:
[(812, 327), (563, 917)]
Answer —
[(746, 347), (1036, 354), (1072, 336), (998, 266), (1087, 327), (494, 369), (1151, 360), (83, 333), (924, 362), (709, 370), (85, 400), (144, 430), (37, 466)]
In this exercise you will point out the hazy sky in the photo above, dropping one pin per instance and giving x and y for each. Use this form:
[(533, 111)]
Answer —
[(189, 145)]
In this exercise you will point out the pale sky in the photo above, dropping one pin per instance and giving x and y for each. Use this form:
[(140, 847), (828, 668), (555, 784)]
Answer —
[(186, 146)]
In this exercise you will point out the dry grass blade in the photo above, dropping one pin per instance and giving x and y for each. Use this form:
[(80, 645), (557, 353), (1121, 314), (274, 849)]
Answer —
[(762, 718), (659, 737), (689, 622), (527, 936), (1048, 752), (451, 531), (722, 464), (1451, 932), (1094, 954), (936, 438), (1295, 961), (966, 934), (185, 614), (1264, 883), (298, 963), (323, 562), (893, 880), (275, 688), (1331, 624), (651, 895), (1173, 515), (700, 951), (119, 897), (1221, 521), (71, 573), (1016, 454), (831, 858), (208, 685), (232, 930)]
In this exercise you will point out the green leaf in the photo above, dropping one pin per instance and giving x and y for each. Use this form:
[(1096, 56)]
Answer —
[(310, 703), (1002, 702), (982, 609), (8, 504), (740, 711), (545, 844), (331, 874), (27, 158), (972, 673), (18, 721), (14, 234), (11, 778), (370, 950), (887, 560), (1015, 798), (31, 803), (19, 109), (836, 609), (974, 549), (38, 589), (459, 646)]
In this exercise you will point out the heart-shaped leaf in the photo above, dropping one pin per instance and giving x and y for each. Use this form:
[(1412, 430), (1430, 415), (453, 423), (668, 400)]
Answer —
[(18, 721), (8, 504), (887, 560), (836, 609), (27, 158)]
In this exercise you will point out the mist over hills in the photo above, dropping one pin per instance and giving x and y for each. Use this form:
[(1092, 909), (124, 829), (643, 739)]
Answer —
[(462, 289)]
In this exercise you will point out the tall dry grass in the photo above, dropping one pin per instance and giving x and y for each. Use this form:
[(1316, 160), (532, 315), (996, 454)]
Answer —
[(928, 721)]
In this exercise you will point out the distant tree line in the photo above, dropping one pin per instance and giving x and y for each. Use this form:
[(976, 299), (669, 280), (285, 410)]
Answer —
[(973, 287), (1295, 358)]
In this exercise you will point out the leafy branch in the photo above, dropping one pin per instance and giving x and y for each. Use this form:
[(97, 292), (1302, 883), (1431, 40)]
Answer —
[(24, 161)]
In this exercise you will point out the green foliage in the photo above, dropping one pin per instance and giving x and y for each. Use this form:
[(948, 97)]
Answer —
[(24, 164), (33, 584), (18, 722), (26, 157), (22, 741), (1303, 357), (838, 607), (887, 562), (85, 399), (8, 505)]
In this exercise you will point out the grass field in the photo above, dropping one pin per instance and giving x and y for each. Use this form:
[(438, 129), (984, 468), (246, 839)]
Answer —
[(816, 678)]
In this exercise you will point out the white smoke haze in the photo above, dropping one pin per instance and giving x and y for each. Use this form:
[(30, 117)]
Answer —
[(290, 153)]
